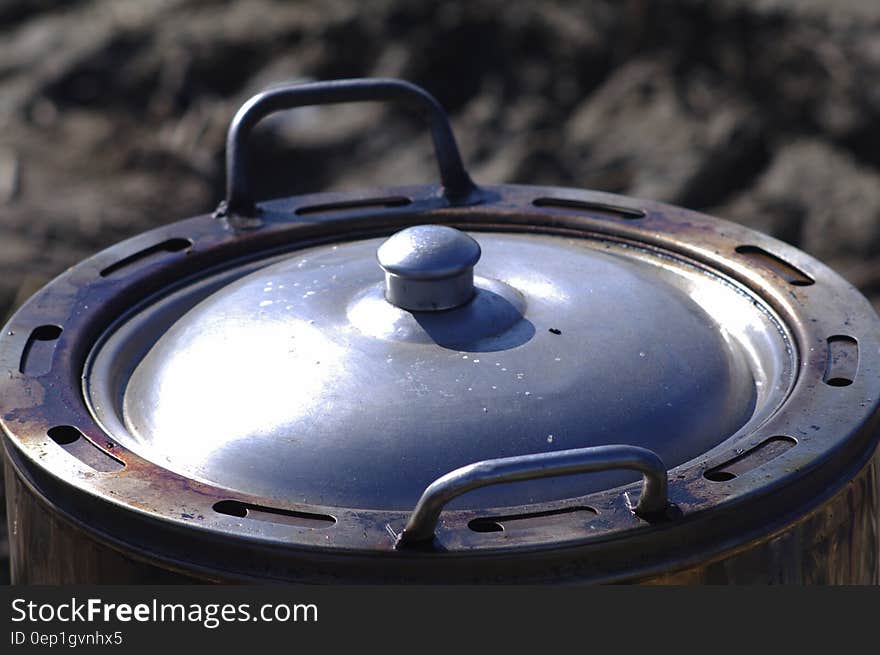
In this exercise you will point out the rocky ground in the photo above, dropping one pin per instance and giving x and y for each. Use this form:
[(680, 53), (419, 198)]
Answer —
[(113, 112)]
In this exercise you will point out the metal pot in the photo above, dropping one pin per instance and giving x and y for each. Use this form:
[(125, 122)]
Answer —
[(451, 383)]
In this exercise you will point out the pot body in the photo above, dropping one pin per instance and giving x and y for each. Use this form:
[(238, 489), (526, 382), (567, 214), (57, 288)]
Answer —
[(836, 541)]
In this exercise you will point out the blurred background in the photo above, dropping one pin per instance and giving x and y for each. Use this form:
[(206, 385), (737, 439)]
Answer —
[(113, 113)]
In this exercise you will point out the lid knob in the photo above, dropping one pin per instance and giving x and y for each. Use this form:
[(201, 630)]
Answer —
[(429, 267)]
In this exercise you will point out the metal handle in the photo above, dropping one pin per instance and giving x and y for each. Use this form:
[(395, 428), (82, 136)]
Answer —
[(457, 184), (653, 500)]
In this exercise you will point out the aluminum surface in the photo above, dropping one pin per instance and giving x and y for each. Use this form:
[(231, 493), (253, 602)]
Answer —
[(261, 387)]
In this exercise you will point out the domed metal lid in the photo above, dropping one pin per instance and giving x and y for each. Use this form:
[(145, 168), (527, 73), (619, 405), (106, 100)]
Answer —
[(308, 381)]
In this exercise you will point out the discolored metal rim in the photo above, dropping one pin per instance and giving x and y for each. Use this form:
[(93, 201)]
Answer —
[(831, 412)]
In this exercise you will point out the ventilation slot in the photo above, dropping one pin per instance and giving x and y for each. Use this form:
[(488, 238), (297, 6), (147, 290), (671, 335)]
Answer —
[(592, 208), (171, 245), (549, 519), (842, 361), (351, 205), (751, 459), (273, 514), (77, 444), (776, 265), (36, 358)]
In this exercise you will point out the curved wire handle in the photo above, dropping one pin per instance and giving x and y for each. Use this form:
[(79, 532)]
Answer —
[(457, 184), (652, 501)]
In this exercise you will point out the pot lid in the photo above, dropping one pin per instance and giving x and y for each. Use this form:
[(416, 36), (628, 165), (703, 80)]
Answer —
[(313, 379)]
